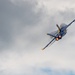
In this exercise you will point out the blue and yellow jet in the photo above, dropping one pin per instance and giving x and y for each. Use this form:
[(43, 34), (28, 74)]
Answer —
[(57, 35)]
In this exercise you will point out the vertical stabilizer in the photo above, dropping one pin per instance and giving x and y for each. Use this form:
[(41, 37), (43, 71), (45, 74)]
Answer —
[(58, 28)]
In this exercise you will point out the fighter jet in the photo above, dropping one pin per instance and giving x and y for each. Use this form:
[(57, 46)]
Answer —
[(57, 35)]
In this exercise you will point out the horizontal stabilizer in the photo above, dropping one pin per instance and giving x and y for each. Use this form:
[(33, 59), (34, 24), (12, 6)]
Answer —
[(51, 35)]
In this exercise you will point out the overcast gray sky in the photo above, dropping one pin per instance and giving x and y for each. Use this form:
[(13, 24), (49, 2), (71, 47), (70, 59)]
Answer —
[(23, 28)]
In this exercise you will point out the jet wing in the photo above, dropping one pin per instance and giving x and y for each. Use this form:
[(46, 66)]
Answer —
[(70, 23), (49, 43)]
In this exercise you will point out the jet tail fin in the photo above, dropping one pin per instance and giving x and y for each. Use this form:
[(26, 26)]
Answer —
[(58, 27)]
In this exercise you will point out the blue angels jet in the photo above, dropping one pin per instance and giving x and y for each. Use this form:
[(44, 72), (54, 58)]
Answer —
[(57, 35)]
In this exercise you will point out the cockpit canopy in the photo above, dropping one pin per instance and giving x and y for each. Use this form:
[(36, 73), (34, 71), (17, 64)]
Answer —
[(62, 25)]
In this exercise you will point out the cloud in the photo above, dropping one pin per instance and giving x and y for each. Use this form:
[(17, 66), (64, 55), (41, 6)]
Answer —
[(16, 18), (23, 26)]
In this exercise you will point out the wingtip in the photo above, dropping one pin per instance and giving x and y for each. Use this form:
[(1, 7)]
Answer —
[(43, 49), (47, 33), (74, 20)]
